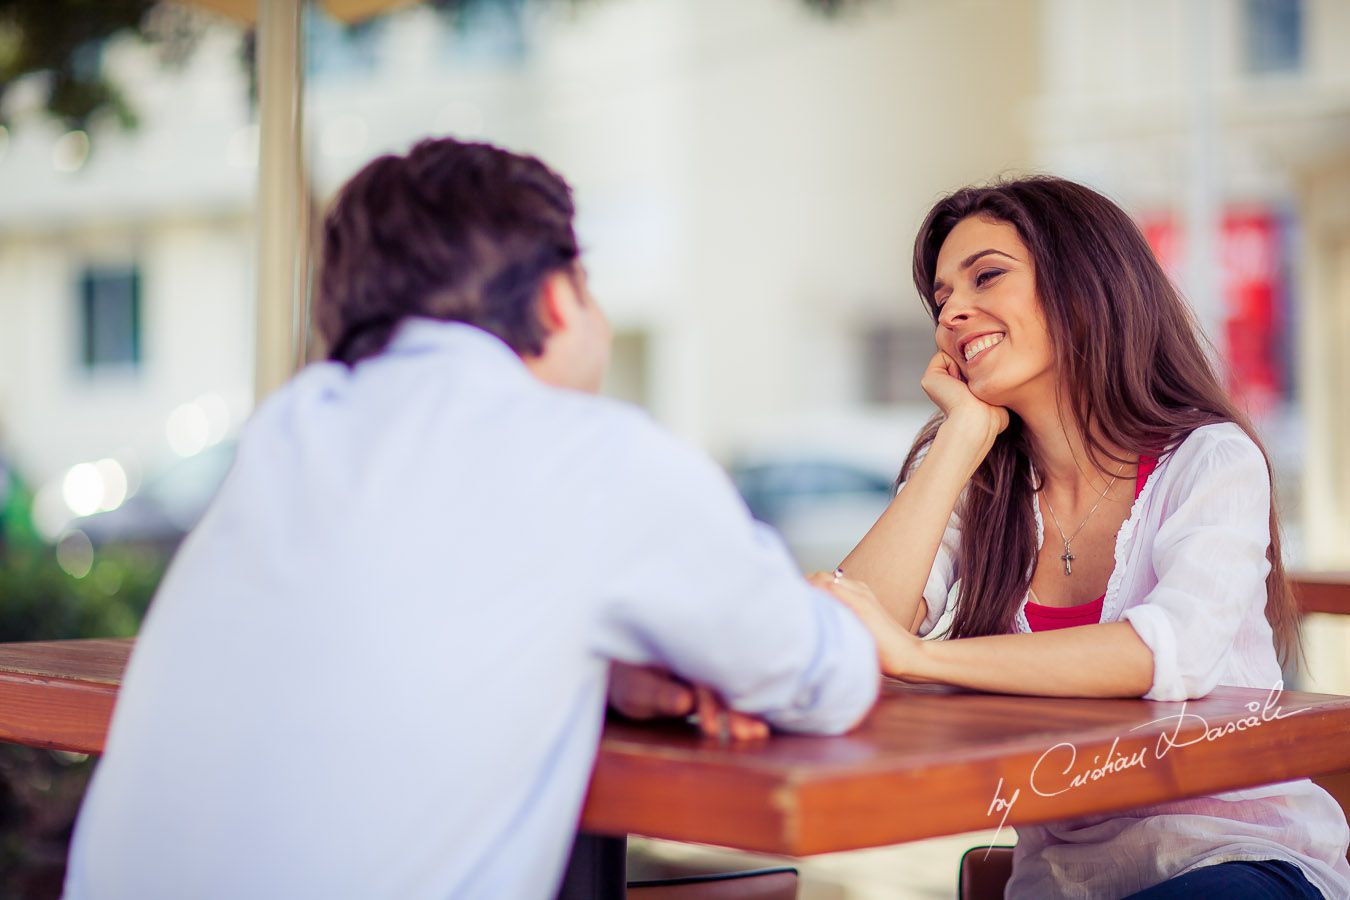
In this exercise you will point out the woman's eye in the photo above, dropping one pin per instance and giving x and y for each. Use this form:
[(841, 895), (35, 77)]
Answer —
[(987, 276)]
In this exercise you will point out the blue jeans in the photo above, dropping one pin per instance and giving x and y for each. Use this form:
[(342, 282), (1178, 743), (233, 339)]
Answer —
[(1266, 879)]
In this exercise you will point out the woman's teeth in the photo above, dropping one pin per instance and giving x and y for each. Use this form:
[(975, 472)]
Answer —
[(982, 343)]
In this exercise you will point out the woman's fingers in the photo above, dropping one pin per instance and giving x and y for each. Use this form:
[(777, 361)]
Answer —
[(946, 386), (942, 364), (820, 579), (894, 642), (841, 586)]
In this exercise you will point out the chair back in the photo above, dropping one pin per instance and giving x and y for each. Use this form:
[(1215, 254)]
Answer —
[(984, 873)]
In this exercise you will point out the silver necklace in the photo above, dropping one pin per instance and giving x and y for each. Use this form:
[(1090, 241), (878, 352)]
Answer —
[(1068, 556)]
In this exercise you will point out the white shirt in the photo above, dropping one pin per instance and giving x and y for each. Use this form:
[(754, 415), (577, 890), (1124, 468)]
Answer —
[(378, 666), (1190, 570)]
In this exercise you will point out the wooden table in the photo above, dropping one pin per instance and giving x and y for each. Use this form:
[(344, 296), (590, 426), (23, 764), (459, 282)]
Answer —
[(927, 762)]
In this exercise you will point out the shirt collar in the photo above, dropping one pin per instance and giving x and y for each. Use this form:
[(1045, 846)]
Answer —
[(418, 335)]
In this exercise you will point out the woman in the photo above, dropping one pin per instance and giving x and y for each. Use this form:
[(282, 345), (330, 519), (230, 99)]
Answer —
[(1086, 468)]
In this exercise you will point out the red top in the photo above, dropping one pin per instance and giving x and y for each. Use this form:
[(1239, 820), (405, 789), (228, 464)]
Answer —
[(1049, 618)]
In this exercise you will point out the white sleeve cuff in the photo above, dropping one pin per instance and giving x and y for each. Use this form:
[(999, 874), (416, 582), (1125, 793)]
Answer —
[(1155, 630), (937, 597)]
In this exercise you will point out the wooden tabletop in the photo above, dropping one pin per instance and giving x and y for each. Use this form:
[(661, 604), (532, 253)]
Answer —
[(927, 762)]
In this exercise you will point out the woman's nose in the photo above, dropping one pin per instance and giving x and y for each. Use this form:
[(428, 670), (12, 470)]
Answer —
[(953, 312)]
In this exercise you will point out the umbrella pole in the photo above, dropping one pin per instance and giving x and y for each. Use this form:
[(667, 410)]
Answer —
[(282, 236)]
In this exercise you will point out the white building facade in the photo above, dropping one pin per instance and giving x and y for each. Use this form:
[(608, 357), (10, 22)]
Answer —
[(749, 178)]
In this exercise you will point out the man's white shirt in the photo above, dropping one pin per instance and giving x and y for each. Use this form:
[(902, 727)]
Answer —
[(377, 667)]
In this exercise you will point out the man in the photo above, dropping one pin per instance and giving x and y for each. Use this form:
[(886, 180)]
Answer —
[(378, 666)]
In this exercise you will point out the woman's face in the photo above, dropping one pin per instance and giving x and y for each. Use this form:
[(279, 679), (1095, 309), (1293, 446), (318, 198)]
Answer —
[(989, 314)]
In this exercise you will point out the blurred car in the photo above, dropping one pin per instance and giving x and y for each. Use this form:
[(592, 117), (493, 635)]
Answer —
[(823, 478), (821, 506), (166, 507)]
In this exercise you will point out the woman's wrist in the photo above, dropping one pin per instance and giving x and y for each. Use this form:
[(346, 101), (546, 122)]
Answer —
[(973, 424), (907, 658), (967, 437)]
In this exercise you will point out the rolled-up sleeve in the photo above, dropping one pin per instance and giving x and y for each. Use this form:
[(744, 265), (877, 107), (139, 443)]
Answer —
[(1210, 560)]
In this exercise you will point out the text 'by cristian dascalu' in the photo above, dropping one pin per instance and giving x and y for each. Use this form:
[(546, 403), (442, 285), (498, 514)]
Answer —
[(1058, 770)]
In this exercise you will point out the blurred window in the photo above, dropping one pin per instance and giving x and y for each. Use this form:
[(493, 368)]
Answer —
[(1274, 35), (894, 357), (110, 317)]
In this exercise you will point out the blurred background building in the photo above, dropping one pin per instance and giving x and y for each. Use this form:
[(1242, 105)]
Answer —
[(750, 176)]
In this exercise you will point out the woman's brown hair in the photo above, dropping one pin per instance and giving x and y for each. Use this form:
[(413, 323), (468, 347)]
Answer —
[(1130, 359)]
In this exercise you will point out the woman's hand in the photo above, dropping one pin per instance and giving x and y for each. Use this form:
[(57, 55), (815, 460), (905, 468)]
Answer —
[(943, 384), (898, 651)]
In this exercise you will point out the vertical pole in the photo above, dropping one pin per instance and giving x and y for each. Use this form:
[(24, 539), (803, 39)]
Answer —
[(1203, 174), (282, 238)]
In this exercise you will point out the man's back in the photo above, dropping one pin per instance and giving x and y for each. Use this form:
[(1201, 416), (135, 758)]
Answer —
[(377, 668)]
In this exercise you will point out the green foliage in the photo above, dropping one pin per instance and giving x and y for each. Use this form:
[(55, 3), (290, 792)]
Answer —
[(40, 790), (64, 42), (39, 601)]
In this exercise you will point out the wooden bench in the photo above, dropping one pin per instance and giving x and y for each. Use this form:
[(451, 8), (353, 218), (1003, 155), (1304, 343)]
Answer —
[(1328, 593)]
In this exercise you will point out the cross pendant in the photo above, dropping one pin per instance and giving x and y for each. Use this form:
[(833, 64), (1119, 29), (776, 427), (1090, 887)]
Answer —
[(1068, 560)]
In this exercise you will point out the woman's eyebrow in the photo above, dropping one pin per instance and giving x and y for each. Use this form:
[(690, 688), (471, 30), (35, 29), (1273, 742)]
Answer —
[(939, 284), (972, 258)]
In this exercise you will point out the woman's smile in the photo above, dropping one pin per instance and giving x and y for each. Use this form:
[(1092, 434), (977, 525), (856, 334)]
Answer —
[(978, 348)]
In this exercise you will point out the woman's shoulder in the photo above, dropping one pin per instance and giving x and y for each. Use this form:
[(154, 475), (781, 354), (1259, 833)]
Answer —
[(1228, 436), (1222, 448)]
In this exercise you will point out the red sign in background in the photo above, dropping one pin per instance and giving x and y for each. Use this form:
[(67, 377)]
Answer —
[(1252, 338)]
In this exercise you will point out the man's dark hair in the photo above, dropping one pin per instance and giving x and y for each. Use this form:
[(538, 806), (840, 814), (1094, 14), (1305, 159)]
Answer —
[(454, 231)]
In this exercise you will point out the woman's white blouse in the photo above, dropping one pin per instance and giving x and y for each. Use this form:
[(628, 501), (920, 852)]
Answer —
[(1190, 570)]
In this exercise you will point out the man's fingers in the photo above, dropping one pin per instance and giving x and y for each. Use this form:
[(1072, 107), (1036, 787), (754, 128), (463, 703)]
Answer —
[(659, 694), (641, 693), (676, 700), (717, 720), (748, 728), (708, 711)]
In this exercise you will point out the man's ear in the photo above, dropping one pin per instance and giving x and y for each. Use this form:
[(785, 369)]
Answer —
[(557, 300)]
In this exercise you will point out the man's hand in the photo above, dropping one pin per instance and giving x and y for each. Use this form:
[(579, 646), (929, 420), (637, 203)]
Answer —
[(644, 693), (640, 692)]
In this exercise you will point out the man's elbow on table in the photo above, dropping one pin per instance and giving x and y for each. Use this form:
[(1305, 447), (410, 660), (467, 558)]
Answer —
[(836, 698), (833, 720)]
